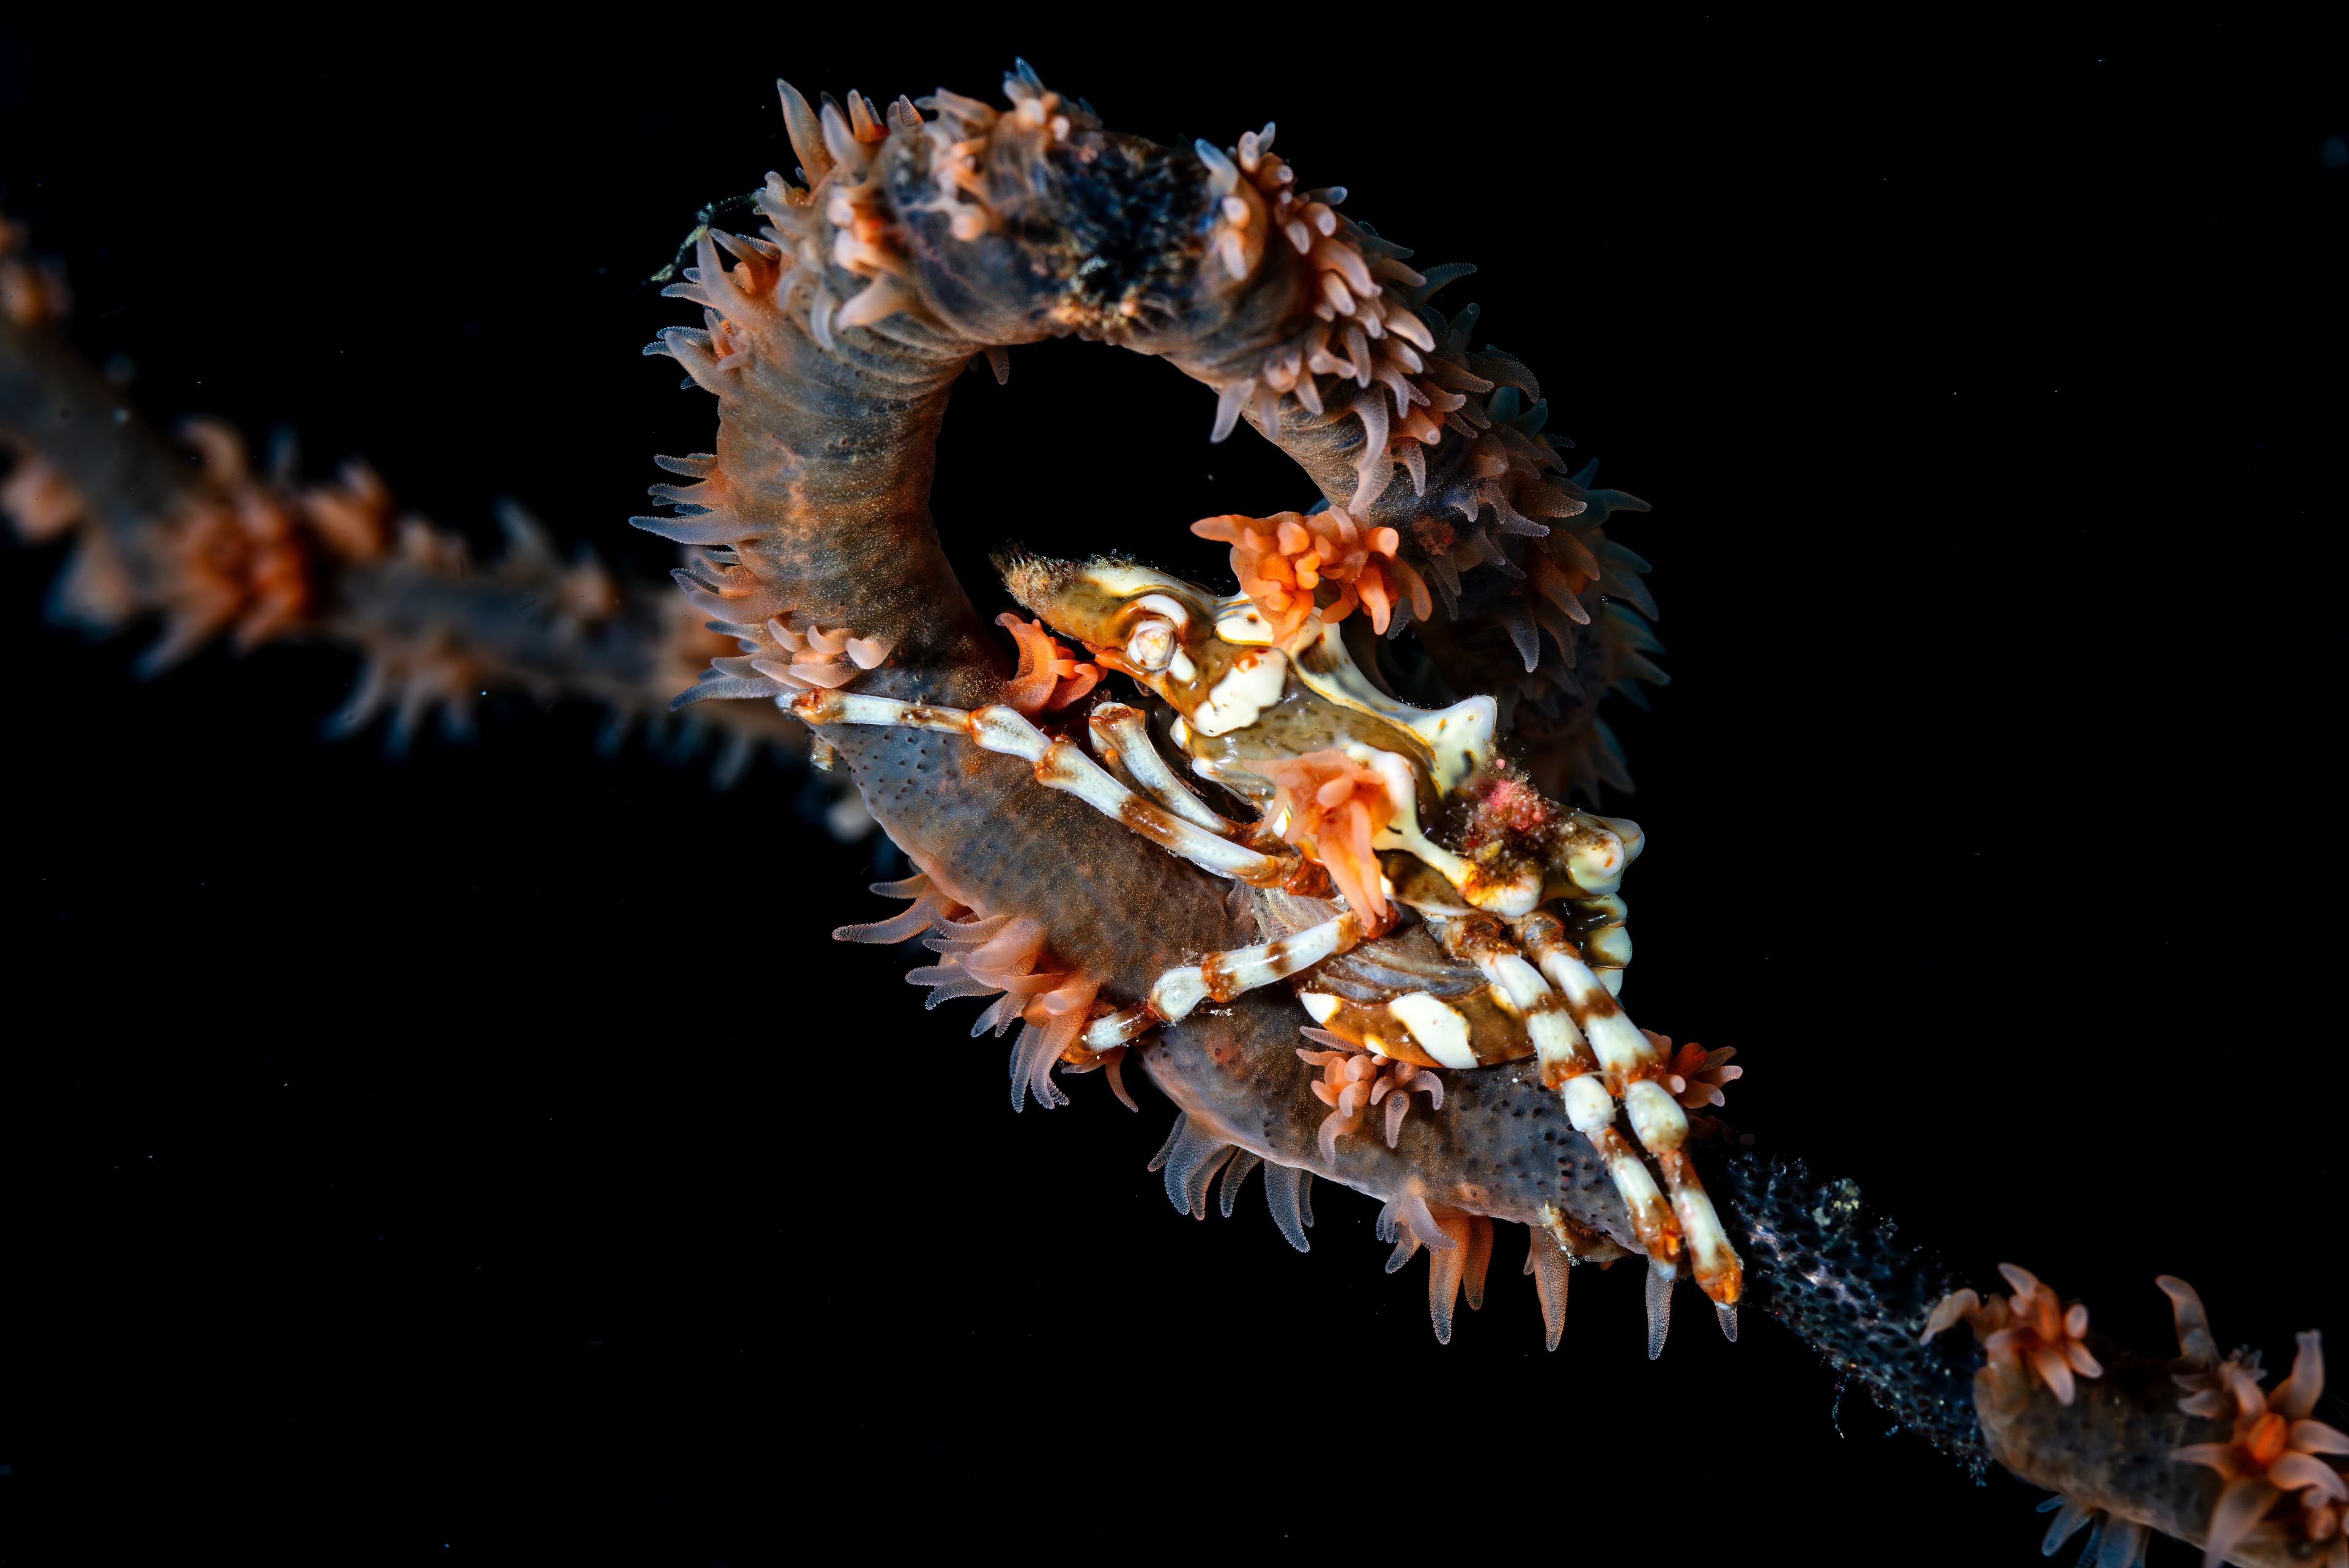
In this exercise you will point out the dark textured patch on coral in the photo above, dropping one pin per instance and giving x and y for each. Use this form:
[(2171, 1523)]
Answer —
[(1130, 216), (1821, 1263)]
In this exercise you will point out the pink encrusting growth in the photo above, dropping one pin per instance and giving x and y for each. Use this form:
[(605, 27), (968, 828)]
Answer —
[(1512, 805)]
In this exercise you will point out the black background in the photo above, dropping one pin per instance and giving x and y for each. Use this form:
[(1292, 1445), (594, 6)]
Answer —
[(487, 1156)]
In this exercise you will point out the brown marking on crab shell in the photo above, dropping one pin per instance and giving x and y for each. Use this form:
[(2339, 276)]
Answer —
[(1546, 1002), (1579, 1241), (817, 709), (1150, 820), (1582, 922), (1619, 1080), (1542, 930), (1494, 1036), (1653, 1222), (1476, 937), (1421, 885), (1382, 734), (1596, 1004), (1211, 658), (1222, 984), (1680, 1175), (1310, 880), (1486, 879)]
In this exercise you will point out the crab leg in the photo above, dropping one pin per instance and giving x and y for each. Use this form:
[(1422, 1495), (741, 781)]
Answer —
[(1121, 734), (1598, 931), (1225, 975), (1059, 764), (1568, 1065), (1657, 1118)]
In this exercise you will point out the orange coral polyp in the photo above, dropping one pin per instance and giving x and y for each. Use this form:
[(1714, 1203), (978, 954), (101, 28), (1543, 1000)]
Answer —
[(1353, 1077), (1694, 1075), (2275, 1450), (40, 500), (1050, 677), (2044, 1336), (1283, 563), (2033, 1333), (1330, 806)]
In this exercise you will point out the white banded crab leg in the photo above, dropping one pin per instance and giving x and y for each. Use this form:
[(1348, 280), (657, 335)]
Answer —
[(1568, 1066), (1223, 975), (1600, 1024), (1600, 932), (1122, 736), (1059, 764)]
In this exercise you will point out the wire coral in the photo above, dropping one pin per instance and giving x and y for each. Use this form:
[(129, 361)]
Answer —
[(263, 556), (2273, 1454), (223, 547), (918, 240), (243, 555)]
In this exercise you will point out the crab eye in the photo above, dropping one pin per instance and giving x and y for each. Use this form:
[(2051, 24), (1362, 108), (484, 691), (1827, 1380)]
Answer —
[(1150, 645)]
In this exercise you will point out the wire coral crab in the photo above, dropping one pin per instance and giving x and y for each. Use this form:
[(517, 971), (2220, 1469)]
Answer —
[(1426, 955)]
